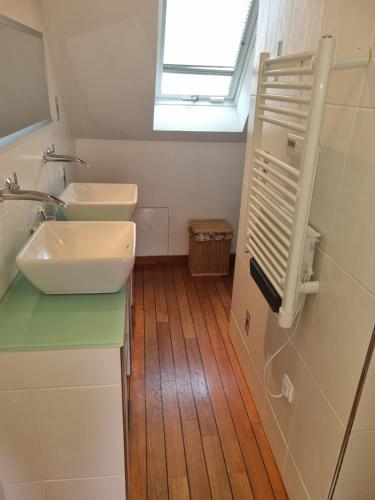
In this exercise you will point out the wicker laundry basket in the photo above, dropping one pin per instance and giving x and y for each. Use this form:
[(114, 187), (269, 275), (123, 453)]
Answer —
[(209, 247)]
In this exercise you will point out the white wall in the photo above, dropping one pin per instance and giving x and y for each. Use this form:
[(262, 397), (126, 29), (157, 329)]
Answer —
[(191, 179), (325, 358), (24, 156), (106, 62)]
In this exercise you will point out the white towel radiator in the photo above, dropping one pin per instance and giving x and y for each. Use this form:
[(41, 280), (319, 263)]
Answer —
[(291, 94)]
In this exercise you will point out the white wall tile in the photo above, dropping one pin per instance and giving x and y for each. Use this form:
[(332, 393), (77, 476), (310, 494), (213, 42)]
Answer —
[(262, 24), (351, 24), (247, 364), (100, 488), (247, 297), (307, 22), (242, 227), (26, 491), (279, 25), (365, 417), (241, 296), (342, 326), (247, 162), (255, 382), (15, 237), (305, 328), (356, 479), (344, 16), (337, 131), (274, 435), (67, 420), (261, 341), (353, 235), (316, 438), (25, 155), (336, 324), (288, 363), (293, 481), (275, 141), (20, 459), (73, 367), (367, 98), (4, 281), (13, 374)]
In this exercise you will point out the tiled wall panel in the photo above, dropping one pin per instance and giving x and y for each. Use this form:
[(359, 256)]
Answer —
[(325, 357)]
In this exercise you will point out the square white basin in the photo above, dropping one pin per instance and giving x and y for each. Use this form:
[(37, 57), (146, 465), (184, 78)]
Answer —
[(79, 257), (93, 201)]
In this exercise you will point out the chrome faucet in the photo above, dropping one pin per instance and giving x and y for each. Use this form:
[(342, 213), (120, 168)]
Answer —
[(50, 156), (12, 191)]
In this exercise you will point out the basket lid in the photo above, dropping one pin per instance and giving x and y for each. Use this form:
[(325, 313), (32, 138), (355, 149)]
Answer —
[(198, 226)]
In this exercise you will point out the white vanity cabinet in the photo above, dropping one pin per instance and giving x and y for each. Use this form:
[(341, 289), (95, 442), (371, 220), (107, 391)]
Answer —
[(61, 425), (63, 408)]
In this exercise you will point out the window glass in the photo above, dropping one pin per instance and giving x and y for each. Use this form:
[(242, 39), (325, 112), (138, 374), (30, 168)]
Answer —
[(203, 40)]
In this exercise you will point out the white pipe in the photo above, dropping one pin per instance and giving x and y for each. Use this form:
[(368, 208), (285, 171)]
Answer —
[(285, 111), (265, 264), (263, 187), (258, 125), (283, 254), (271, 170), (288, 85), (358, 57), (264, 251), (282, 123), (309, 287), (308, 168), (286, 98), (266, 199), (289, 71), (276, 185), (271, 227), (355, 58), (261, 206), (285, 166), (290, 57)]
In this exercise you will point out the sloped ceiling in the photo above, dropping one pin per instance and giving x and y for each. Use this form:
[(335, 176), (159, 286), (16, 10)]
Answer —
[(105, 53)]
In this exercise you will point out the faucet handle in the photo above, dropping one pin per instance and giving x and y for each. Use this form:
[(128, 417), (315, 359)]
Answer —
[(48, 152), (51, 150), (12, 184)]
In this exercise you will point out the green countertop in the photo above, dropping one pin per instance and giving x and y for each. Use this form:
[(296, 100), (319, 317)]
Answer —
[(30, 320)]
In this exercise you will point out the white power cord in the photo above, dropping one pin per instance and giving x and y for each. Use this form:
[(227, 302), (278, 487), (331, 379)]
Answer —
[(279, 350)]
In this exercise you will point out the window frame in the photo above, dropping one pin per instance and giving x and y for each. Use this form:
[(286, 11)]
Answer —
[(237, 74)]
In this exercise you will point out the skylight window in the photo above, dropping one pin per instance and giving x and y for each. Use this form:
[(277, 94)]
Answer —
[(203, 49)]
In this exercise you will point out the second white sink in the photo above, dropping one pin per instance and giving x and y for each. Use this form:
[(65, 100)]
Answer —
[(94, 201), (79, 257)]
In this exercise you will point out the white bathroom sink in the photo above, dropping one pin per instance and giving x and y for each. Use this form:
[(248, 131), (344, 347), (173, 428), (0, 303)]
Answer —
[(79, 257), (93, 201)]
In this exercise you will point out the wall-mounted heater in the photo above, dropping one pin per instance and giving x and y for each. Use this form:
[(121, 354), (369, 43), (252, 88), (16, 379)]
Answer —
[(291, 94)]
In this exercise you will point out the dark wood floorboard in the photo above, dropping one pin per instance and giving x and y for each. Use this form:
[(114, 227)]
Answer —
[(194, 430)]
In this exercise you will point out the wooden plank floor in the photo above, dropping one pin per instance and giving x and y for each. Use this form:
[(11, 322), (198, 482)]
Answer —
[(194, 429)]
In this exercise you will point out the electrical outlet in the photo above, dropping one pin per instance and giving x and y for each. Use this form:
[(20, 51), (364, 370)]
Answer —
[(287, 388), (247, 323)]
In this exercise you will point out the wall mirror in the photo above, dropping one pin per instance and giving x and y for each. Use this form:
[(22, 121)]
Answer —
[(24, 102)]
